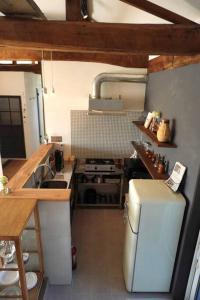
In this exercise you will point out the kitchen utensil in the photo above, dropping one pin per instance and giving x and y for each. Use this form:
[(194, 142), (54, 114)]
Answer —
[(9, 277), (31, 280), (25, 257), (59, 160), (7, 250), (11, 291), (163, 133)]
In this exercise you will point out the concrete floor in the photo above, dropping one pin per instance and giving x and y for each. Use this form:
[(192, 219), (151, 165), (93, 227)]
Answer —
[(98, 235)]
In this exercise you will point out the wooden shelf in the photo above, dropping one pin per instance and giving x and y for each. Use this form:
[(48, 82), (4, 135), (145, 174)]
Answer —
[(98, 205), (147, 162), (152, 136), (99, 184), (34, 293), (12, 223)]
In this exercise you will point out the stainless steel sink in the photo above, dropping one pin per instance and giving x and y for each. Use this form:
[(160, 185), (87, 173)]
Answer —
[(54, 184)]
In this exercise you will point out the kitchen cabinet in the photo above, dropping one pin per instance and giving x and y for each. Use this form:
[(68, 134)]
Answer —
[(56, 239), (14, 217)]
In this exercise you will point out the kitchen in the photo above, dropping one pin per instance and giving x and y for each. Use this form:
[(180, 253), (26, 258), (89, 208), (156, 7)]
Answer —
[(170, 92)]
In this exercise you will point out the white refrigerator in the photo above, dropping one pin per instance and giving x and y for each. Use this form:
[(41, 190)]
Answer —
[(153, 218)]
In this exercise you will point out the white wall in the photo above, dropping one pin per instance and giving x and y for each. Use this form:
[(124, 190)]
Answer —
[(73, 84), (31, 82), (24, 85)]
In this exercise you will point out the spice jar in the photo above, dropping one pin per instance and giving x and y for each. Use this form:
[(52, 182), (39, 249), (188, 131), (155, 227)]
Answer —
[(155, 121), (163, 133), (161, 167), (157, 161), (153, 158)]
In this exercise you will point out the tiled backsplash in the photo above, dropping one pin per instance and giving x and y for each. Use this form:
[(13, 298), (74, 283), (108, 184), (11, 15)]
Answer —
[(103, 136)]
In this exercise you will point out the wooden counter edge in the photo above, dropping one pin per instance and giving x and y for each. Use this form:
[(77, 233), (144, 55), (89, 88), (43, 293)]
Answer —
[(24, 173), (40, 194), (31, 206)]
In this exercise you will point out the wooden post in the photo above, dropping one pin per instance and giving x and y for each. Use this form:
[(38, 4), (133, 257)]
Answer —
[(38, 238), (20, 263)]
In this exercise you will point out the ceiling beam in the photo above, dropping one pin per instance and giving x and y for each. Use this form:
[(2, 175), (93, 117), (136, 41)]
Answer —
[(76, 10), (34, 68), (73, 10), (139, 39), (130, 61), (21, 9), (159, 11), (162, 63)]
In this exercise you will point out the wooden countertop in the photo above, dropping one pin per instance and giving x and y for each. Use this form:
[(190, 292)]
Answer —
[(14, 214), (41, 194), (21, 177), (18, 181)]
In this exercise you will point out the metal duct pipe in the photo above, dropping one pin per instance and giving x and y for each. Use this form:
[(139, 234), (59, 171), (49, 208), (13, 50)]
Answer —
[(114, 77)]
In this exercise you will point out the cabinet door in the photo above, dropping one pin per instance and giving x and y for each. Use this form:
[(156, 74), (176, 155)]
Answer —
[(130, 244)]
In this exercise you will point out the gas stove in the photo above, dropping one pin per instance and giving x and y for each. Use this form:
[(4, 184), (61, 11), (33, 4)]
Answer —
[(99, 165)]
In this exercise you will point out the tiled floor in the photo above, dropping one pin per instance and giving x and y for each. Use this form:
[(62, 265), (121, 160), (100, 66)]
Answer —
[(98, 236)]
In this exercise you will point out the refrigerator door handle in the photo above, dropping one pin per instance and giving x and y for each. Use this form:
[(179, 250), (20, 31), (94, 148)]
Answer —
[(130, 225), (126, 216)]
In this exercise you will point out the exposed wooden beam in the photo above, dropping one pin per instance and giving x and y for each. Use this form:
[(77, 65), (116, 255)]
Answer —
[(21, 9), (162, 63), (140, 39), (76, 10), (73, 10), (131, 61), (34, 68), (159, 11)]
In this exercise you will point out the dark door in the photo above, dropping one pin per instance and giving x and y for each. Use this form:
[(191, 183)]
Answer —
[(12, 144)]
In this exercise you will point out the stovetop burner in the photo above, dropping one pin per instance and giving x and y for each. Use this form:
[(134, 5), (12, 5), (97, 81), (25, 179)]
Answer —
[(99, 161), (99, 164)]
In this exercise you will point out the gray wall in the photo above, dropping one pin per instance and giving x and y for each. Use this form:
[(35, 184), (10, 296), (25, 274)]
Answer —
[(103, 136), (176, 93)]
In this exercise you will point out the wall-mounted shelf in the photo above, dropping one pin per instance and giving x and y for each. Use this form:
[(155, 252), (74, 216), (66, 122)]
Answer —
[(152, 136), (147, 162)]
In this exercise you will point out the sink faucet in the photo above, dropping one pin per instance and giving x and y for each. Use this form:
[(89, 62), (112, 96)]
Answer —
[(45, 165)]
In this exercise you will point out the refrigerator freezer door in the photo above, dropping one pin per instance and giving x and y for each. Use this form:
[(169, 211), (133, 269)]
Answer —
[(130, 246)]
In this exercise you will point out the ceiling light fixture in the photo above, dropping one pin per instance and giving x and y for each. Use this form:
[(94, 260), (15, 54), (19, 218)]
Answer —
[(52, 76), (84, 9)]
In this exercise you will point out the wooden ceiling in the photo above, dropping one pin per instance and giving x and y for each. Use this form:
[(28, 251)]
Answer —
[(121, 44)]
